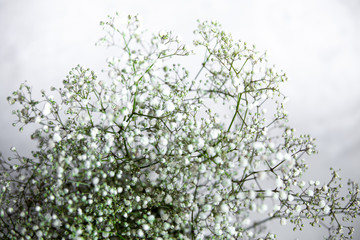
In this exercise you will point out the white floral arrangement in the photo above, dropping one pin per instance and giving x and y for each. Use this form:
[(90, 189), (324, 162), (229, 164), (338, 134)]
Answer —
[(155, 152)]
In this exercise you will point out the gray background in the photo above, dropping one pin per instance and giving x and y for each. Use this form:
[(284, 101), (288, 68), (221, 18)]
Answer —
[(316, 42)]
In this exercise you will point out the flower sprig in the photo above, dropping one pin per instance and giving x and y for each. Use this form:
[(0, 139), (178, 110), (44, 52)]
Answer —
[(152, 152)]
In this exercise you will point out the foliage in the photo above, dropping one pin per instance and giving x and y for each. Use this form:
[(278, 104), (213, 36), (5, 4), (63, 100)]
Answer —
[(149, 153)]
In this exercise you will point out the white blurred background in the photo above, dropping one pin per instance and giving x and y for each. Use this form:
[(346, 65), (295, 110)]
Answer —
[(316, 42)]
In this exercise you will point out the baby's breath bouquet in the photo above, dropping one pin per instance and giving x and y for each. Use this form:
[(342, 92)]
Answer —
[(155, 152)]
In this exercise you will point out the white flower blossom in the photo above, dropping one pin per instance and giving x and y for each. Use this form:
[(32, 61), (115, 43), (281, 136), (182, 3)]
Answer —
[(258, 146), (168, 199), (224, 208), (144, 141), (140, 233), (163, 141), (322, 203), (298, 208), (95, 180), (56, 137), (47, 109), (93, 132), (150, 139), (211, 151), (326, 209), (217, 198), (190, 148), (310, 192), (200, 143), (214, 133), (169, 106)]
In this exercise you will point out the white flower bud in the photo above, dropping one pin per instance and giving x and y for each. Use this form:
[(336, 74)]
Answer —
[(56, 137), (47, 109), (224, 208), (322, 203), (168, 199), (214, 133)]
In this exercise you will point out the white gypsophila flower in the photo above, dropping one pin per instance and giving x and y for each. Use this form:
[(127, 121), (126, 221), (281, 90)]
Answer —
[(39, 234), (79, 137), (207, 207), (322, 203), (87, 164), (214, 133), (279, 182), (231, 230), (169, 106), (226, 182), (56, 137), (326, 209), (310, 193), (190, 148), (95, 180), (56, 223), (302, 184), (268, 192), (218, 160), (37, 119), (224, 208), (283, 221), (246, 222), (165, 91), (144, 141), (56, 128), (290, 198), (93, 132), (47, 109), (154, 102), (298, 208), (125, 111), (252, 194), (153, 176), (203, 215), (179, 117), (140, 233), (168, 199), (200, 143), (262, 208), (211, 151), (283, 195), (258, 146), (141, 98), (217, 198), (51, 143), (163, 141), (146, 227), (202, 168), (276, 207), (159, 113)]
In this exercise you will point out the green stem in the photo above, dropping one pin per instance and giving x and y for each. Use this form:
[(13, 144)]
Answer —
[(236, 111)]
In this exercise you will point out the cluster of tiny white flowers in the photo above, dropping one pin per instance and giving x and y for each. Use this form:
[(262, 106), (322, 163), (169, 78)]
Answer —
[(148, 154)]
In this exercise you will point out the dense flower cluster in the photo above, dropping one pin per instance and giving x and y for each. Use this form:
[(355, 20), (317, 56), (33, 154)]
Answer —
[(158, 153)]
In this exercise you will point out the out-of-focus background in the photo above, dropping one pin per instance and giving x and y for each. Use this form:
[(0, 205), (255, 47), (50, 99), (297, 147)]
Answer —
[(316, 42)]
